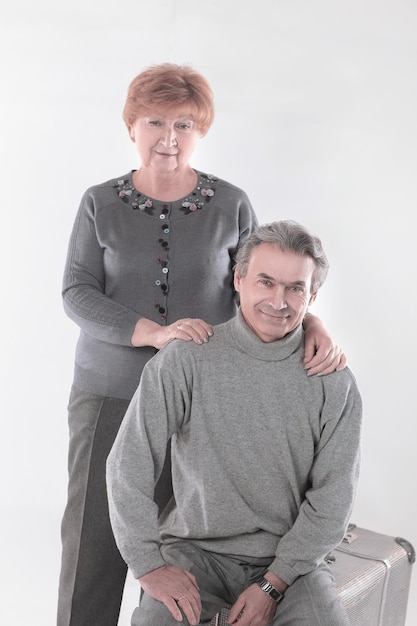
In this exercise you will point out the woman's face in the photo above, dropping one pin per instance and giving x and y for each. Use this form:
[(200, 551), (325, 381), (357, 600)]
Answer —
[(165, 141)]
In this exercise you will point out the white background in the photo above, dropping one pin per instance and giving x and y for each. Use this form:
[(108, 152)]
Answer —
[(316, 105)]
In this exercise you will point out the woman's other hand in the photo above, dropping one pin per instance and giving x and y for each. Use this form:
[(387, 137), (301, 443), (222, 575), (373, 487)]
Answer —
[(321, 354), (149, 333)]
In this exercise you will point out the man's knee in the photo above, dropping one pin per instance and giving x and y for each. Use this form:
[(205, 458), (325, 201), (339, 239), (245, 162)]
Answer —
[(312, 600), (151, 611)]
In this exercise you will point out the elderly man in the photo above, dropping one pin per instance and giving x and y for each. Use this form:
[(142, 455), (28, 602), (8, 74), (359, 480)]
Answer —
[(264, 458)]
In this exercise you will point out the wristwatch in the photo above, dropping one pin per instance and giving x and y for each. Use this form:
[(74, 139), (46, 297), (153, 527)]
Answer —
[(269, 589)]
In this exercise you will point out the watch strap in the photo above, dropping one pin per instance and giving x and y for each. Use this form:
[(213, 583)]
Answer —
[(274, 593)]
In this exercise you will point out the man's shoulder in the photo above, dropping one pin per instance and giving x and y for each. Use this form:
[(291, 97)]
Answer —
[(338, 381), (178, 349)]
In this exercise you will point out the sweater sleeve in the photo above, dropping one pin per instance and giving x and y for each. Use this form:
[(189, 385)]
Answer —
[(136, 460), (85, 301), (325, 511)]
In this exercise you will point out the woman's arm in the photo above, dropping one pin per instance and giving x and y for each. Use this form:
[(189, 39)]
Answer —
[(322, 354)]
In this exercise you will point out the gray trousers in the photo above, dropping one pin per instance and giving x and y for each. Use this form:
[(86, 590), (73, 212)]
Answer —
[(312, 600), (92, 571)]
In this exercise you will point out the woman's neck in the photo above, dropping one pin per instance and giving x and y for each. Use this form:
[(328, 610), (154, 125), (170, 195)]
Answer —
[(165, 187)]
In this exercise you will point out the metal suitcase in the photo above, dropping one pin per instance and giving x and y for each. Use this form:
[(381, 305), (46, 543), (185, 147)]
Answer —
[(372, 573)]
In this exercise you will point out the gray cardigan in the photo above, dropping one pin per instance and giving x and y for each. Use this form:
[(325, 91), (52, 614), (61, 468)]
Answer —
[(265, 459), (131, 256)]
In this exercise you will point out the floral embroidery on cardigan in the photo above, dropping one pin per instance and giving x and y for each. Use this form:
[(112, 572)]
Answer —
[(128, 193), (197, 199), (200, 196)]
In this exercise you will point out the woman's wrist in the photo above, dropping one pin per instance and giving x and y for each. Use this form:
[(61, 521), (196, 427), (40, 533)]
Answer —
[(144, 332)]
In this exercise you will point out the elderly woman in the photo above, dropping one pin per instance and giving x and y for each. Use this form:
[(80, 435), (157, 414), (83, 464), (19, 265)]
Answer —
[(150, 260)]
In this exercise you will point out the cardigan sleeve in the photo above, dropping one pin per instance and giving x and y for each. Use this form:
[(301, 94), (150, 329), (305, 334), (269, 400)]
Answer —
[(84, 298)]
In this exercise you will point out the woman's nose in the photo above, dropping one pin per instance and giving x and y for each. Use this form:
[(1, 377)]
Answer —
[(169, 137)]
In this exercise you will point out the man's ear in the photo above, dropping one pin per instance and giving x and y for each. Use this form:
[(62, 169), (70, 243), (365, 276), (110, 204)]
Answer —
[(237, 279), (312, 298)]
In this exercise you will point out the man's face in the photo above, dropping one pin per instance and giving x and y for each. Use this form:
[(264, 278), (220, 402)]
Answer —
[(276, 291)]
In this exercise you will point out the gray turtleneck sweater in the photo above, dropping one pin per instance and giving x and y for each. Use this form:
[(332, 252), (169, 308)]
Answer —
[(264, 458)]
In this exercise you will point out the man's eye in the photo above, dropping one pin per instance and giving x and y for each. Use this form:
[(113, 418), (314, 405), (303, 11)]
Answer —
[(265, 281), (154, 123), (184, 126)]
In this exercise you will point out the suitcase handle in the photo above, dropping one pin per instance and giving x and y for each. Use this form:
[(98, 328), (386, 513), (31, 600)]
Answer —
[(411, 553), (350, 537)]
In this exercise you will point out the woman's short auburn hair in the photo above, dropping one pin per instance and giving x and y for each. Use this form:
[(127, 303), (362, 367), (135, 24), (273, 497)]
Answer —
[(170, 87)]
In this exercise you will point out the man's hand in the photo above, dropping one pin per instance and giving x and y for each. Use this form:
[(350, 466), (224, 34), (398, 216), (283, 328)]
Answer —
[(252, 608), (177, 589)]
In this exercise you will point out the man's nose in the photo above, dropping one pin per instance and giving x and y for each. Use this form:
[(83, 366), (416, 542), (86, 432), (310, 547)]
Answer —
[(278, 300)]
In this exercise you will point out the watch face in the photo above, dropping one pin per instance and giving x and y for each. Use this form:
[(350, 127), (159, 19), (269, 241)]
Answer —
[(273, 593)]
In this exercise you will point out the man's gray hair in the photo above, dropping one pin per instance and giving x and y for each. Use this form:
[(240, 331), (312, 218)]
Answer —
[(287, 235)]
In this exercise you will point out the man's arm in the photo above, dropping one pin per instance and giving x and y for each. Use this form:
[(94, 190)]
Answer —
[(325, 511), (137, 458), (133, 468)]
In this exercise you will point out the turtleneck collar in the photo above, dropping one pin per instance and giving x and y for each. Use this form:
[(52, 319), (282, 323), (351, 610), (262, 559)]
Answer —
[(251, 344)]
